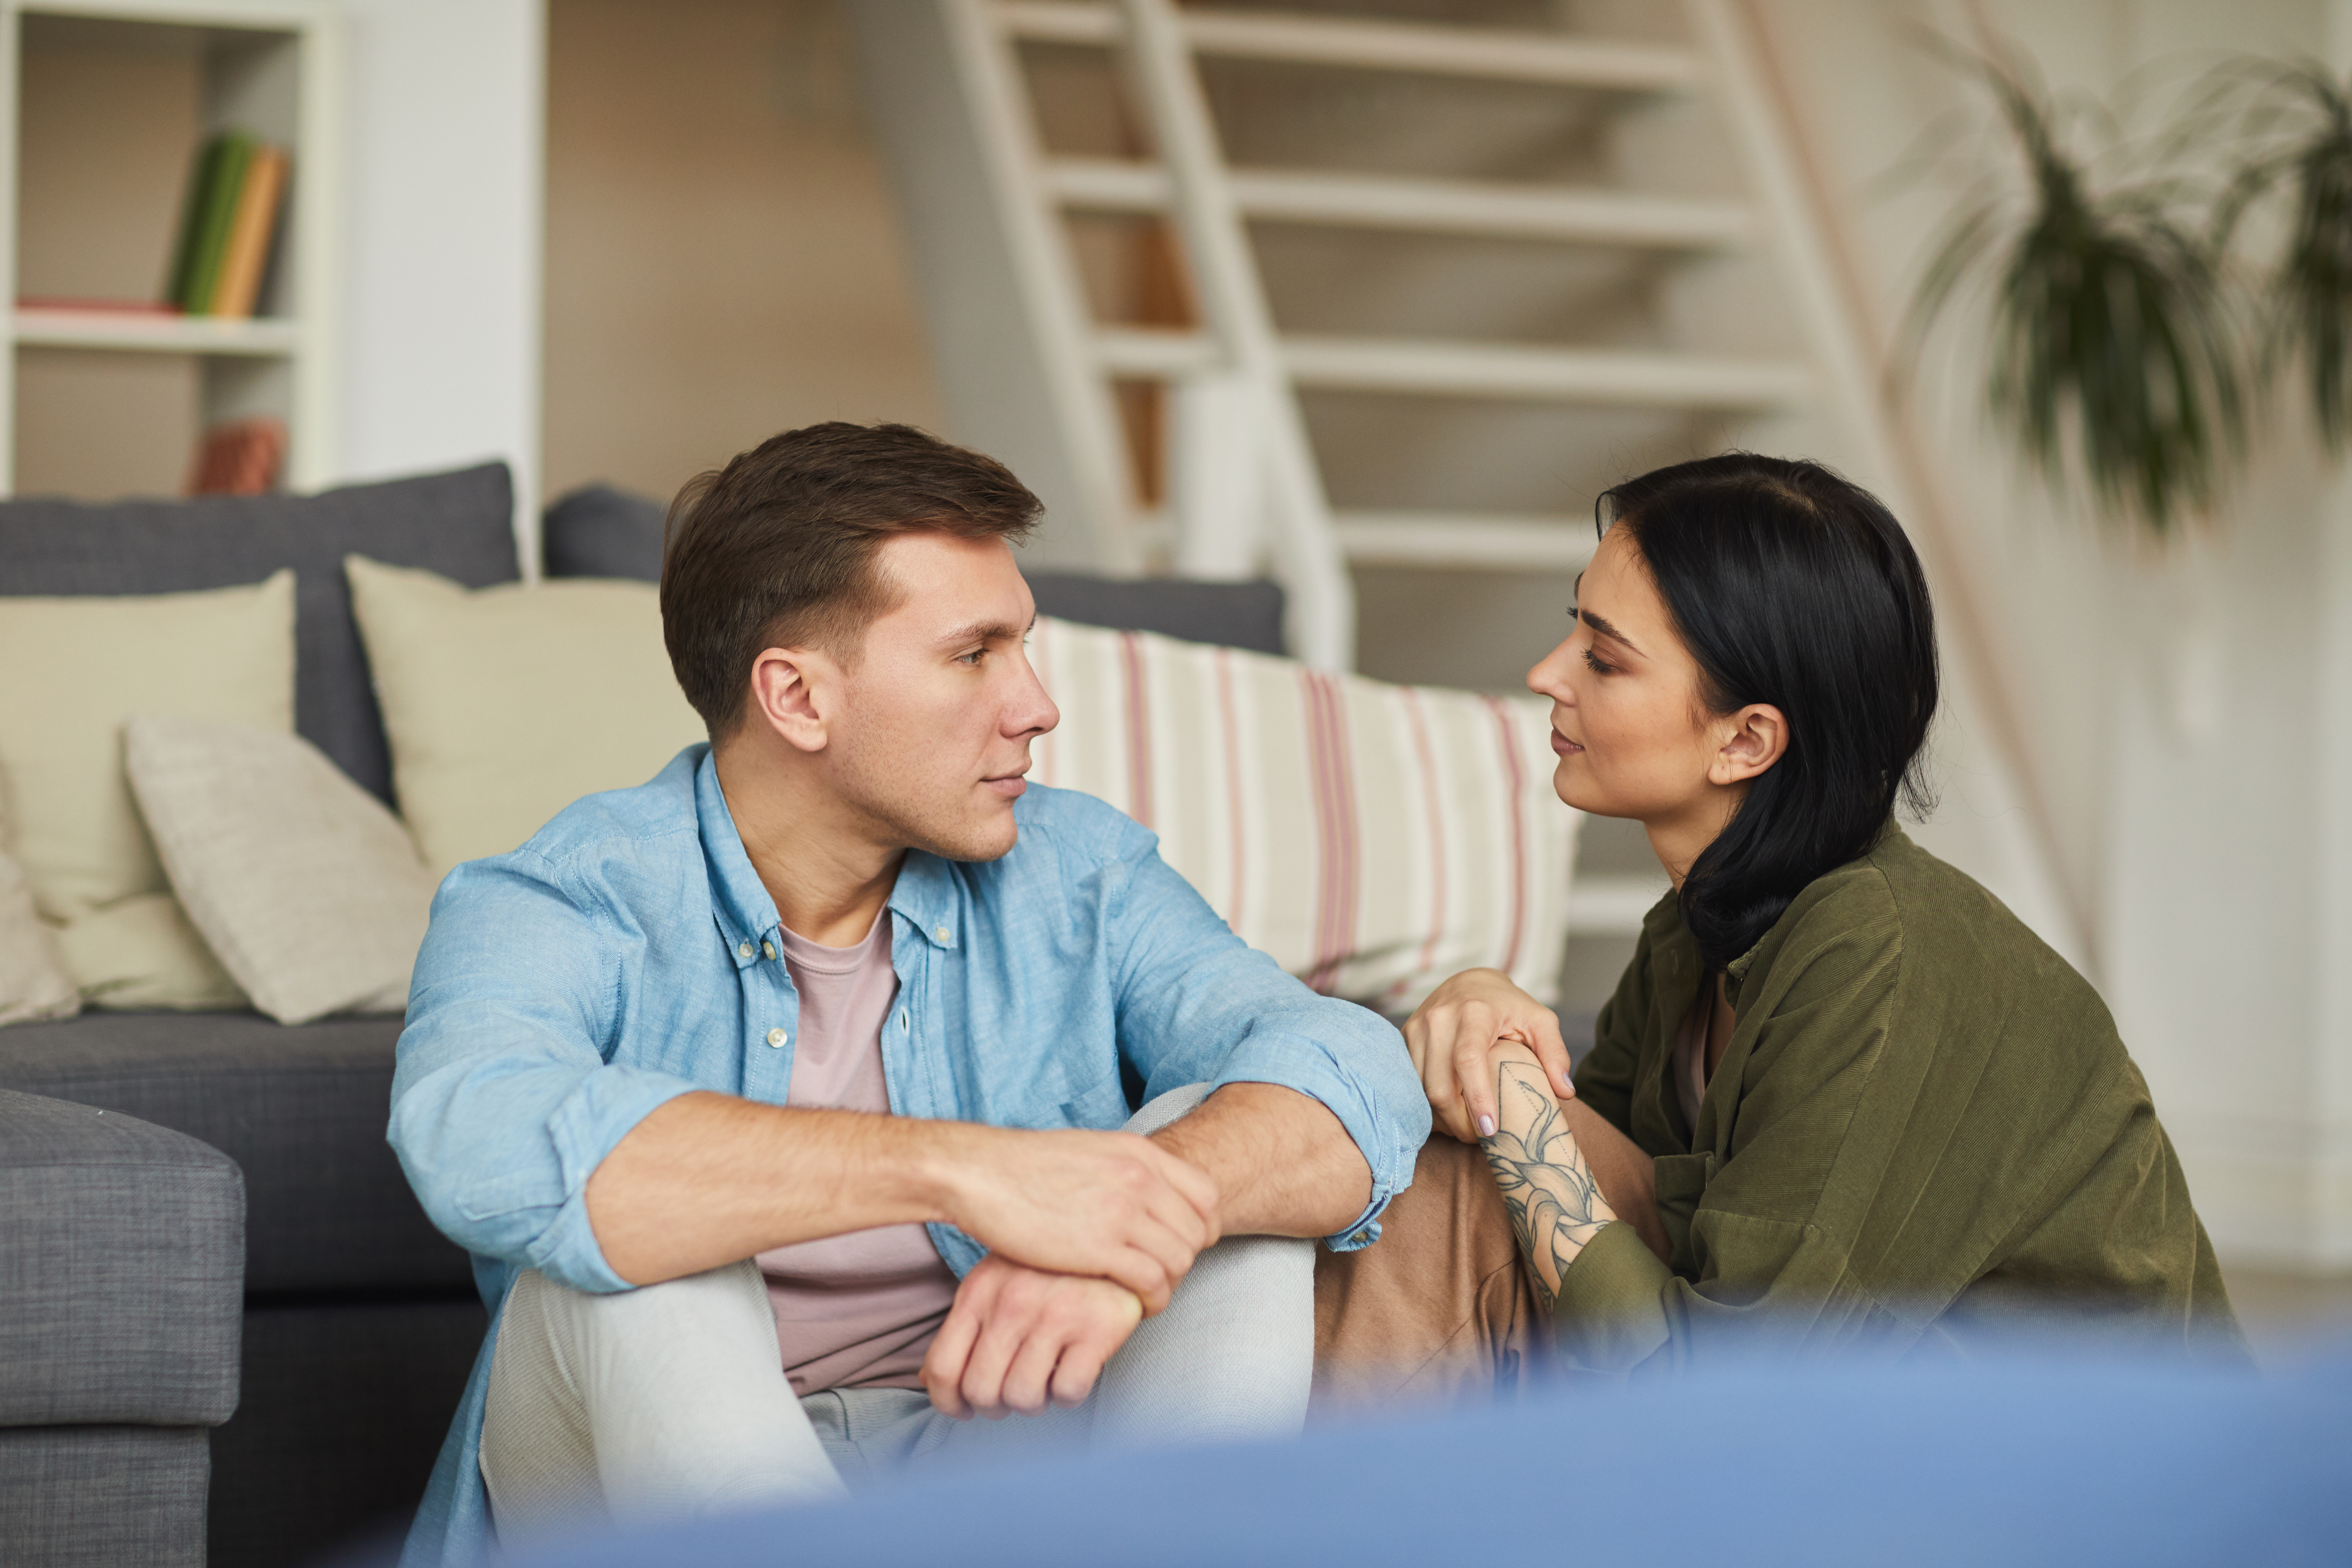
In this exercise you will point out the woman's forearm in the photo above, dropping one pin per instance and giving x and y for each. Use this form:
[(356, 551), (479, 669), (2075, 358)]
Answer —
[(1547, 1187)]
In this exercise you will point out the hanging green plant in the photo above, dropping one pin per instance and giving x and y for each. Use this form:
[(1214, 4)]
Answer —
[(2300, 119), (2114, 350)]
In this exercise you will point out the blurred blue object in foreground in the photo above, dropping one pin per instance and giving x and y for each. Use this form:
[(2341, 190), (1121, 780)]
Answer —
[(2024, 1462)]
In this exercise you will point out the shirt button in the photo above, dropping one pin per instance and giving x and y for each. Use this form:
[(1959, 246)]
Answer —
[(1360, 1238), (777, 1036), (767, 949), (744, 950), (941, 933)]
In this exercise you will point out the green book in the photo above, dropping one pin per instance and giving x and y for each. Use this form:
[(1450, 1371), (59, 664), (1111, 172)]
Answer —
[(219, 212), (203, 172)]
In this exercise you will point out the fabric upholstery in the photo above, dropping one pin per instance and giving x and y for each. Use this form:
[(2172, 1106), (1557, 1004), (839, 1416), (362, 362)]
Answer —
[(72, 671), (1237, 614), (458, 524), (33, 981), (307, 888), (344, 1406), (102, 1497), (301, 1110), (599, 532), (1373, 838), (505, 705), (121, 1277)]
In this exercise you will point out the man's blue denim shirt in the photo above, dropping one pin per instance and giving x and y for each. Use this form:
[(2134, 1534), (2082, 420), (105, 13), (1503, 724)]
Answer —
[(622, 958)]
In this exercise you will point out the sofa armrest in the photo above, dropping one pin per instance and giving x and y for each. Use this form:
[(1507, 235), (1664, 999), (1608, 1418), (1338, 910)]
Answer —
[(121, 1270)]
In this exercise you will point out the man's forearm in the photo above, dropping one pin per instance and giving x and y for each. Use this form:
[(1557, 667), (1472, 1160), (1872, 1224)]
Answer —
[(1284, 1164), (709, 1179)]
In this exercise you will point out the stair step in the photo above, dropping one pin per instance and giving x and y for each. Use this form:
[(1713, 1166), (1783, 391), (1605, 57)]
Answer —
[(1428, 49), (1611, 906), (1473, 540), (1448, 369), (1546, 374), (1427, 207)]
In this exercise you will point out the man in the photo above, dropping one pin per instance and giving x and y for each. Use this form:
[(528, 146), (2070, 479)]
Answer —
[(838, 994)]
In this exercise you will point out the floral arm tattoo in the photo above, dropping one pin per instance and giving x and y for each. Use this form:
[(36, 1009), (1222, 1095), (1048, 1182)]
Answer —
[(1554, 1203)]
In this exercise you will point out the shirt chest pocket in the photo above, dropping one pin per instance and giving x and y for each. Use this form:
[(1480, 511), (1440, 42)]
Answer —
[(1682, 1180)]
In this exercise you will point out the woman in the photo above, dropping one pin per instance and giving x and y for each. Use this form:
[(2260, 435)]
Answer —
[(1879, 1113)]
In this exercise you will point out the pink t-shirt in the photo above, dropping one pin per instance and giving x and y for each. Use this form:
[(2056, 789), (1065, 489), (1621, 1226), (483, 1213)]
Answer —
[(856, 1310)]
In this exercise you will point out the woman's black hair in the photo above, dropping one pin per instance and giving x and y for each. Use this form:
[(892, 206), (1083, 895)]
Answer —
[(1792, 586)]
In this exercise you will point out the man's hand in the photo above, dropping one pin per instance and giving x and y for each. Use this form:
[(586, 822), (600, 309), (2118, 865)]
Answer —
[(1453, 1036), (1018, 1339), (1110, 1205)]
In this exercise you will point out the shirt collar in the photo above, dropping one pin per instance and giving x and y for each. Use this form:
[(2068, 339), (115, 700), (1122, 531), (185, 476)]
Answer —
[(925, 893), (746, 914)]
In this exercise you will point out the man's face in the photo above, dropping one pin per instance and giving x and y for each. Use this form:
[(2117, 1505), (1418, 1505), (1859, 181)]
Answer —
[(941, 705)]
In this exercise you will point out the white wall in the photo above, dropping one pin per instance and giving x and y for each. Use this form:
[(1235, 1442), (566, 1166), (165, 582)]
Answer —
[(2182, 708), (442, 205)]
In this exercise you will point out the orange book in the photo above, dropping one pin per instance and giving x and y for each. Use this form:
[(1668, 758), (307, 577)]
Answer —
[(251, 227), (239, 459)]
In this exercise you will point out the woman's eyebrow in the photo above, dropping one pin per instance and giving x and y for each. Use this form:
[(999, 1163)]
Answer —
[(1601, 623)]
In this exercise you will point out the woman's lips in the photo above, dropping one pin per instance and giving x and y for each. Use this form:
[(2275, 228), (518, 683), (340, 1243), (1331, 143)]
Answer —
[(1563, 745)]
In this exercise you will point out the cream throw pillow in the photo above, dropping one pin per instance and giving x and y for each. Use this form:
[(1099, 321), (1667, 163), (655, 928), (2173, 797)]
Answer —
[(1373, 838), (505, 705), (33, 981), (308, 891), (71, 671)]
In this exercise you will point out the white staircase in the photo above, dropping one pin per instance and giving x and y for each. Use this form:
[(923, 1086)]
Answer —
[(1213, 440)]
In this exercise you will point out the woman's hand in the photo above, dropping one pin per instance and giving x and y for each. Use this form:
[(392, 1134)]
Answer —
[(1454, 1037)]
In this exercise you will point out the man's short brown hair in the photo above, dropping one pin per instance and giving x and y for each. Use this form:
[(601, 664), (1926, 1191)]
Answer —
[(777, 548)]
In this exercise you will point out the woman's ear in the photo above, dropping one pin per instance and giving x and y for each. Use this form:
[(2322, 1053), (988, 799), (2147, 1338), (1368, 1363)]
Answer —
[(1754, 739), (788, 695)]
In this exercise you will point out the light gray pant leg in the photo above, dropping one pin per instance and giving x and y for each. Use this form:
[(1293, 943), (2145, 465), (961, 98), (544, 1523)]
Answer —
[(659, 1403), (1230, 1360), (1233, 1355)]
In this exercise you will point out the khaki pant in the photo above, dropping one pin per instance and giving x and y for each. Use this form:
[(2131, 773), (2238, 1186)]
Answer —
[(1440, 1309)]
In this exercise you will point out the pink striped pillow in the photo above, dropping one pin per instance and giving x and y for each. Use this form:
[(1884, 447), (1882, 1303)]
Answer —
[(1373, 838)]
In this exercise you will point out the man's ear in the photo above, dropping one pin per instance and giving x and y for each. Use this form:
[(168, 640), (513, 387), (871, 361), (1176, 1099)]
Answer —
[(1754, 739), (793, 691)]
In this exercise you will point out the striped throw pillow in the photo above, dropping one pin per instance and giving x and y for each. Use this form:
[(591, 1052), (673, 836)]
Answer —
[(1373, 838)]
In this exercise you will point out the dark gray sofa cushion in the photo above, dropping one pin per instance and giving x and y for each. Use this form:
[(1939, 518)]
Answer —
[(1238, 614), (458, 524), (599, 532), (102, 1497), (120, 1284), (302, 1110)]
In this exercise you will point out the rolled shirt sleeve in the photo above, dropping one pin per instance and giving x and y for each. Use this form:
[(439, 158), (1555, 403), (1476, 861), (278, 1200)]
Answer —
[(1197, 1005), (503, 1102)]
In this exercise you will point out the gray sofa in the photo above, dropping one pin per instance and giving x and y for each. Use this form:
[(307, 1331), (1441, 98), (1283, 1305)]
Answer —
[(357, 1323)]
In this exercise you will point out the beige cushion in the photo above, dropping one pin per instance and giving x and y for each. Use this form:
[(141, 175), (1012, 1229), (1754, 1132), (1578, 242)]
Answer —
[(306, 888), (1373, 838), (505, 705), (33, 981), (71, 671)]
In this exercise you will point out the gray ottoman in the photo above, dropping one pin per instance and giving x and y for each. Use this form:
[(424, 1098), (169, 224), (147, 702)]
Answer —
[(121, 1264)]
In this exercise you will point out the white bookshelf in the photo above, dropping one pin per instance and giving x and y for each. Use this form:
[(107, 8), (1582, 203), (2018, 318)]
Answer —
[(270, 66)]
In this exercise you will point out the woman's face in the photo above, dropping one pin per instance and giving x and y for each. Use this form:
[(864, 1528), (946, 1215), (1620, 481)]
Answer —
[(1633, 736)]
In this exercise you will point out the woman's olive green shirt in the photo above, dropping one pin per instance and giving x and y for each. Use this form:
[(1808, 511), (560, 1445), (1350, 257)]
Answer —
[(1924, 1132)]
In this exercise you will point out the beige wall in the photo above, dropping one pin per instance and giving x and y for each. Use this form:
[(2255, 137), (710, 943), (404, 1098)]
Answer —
[(722, 260)]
